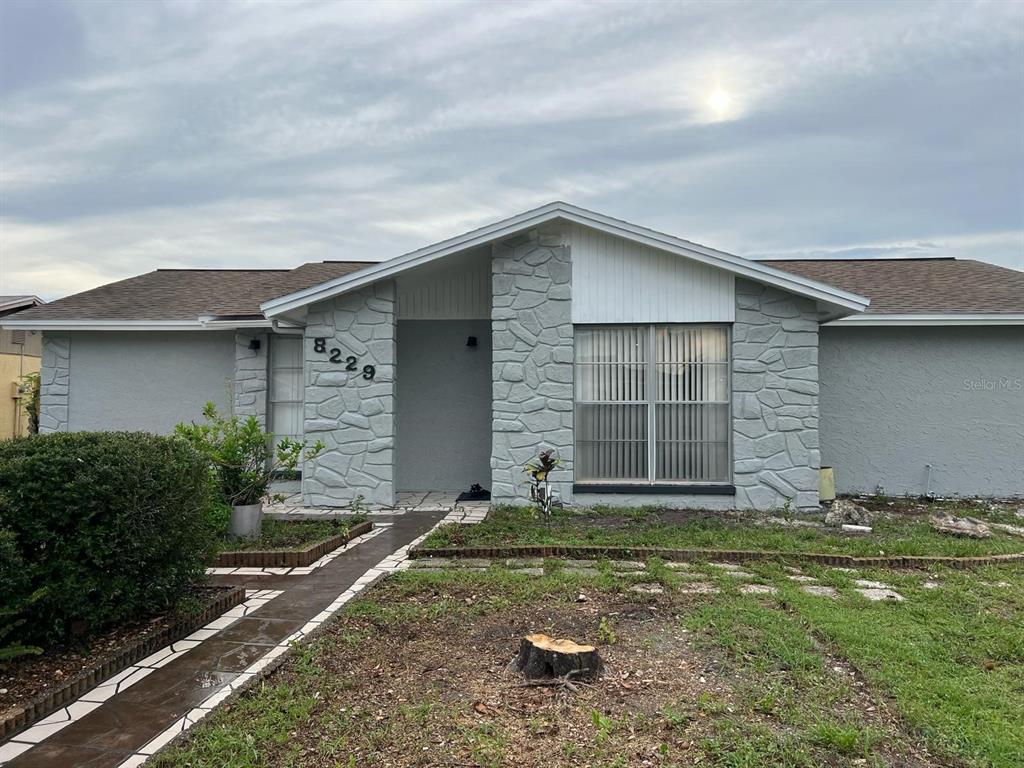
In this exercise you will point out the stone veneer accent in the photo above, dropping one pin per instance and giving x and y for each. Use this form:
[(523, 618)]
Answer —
[(354, 418), (532, 363), (54, 383), (250, 385), (775, 399)]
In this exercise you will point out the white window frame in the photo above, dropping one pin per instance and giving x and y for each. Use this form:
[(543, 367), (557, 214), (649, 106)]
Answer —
[(651, 402), (272, 402)]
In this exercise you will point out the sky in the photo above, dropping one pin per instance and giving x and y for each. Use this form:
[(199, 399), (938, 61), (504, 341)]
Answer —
[(259, 134)]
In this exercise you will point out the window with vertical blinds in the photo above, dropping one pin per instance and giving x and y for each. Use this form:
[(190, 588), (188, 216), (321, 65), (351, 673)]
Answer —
[(652, 404), (286, 387)]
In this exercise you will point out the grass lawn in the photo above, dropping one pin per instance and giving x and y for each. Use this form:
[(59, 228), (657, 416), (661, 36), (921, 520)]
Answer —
[(291, 534), (413, 674), (901, 529)]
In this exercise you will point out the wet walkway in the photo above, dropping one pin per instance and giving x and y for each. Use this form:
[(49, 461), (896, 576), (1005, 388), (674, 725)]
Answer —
[(130, 716)]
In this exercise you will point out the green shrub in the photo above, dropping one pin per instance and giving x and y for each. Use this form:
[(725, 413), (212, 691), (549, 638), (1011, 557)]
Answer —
[(15, 598), (110, 526)]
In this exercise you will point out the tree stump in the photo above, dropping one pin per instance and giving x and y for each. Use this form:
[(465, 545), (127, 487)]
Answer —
[(541, 656)]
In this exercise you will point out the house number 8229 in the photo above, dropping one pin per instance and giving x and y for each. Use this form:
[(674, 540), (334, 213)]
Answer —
[(351, 362)]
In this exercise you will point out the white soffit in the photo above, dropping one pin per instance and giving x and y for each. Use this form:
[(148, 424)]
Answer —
[(924, 319), (834, 300)]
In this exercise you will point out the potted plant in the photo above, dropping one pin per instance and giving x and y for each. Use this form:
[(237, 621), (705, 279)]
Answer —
[(244, 461)]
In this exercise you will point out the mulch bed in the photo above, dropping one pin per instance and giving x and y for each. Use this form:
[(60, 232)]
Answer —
[(289, 558), (32, 687), (596, 552)]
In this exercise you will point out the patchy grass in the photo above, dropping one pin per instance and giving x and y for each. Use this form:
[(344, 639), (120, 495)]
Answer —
[(413, 674), (291, 534), (897, 531)]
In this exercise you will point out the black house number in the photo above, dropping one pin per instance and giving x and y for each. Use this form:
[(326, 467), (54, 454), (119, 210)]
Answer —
[(334, 355)]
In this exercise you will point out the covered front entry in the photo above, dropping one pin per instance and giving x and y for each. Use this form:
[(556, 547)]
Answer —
[(443, 404)]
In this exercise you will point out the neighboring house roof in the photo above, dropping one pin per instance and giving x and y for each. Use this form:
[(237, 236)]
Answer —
[(922, 291), (182, 298), (11, 304), (838, 302)]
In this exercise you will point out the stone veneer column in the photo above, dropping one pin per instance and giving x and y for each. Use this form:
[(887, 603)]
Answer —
[(532, 364), (775, 399), (54, 383), (353, 416), (251, 373)]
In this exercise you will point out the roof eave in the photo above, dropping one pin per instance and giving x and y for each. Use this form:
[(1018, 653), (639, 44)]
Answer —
[(204, 323), (932, 318), (836, 300)]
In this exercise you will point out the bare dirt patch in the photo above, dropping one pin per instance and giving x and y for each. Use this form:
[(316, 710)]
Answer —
[(418, 685)]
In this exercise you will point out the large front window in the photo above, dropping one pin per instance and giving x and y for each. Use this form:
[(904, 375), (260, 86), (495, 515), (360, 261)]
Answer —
[(652, 404), (286, 387)]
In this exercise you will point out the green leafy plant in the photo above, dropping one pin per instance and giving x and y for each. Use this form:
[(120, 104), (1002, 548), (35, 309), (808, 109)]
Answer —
[(539, 470), (242, 456), (30, 398), (14, 599), (106, 527)]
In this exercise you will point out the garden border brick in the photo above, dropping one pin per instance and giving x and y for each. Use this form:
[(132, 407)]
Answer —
[(47, 703), (290, 558), (594, 552)]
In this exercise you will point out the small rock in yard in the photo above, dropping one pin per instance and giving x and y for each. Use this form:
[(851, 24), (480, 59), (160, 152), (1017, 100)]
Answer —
[(930, 585), (581, 598), (758, 589), (881, 594), (699, 588), (820, 591), (845, 512), (960, 526), (1013, 530)]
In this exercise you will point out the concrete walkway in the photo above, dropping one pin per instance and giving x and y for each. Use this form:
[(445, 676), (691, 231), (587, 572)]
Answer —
[(133, 714)]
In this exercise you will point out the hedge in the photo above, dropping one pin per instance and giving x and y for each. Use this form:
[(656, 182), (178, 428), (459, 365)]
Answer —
[(109, 526)]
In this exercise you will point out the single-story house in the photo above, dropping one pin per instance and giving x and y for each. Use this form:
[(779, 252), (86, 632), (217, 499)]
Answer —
[(658, 370)]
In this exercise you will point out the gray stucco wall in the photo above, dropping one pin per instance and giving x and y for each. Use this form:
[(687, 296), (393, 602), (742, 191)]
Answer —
[(896, 399), (352, 415), (532, 334), (443, 405), (147, 381)]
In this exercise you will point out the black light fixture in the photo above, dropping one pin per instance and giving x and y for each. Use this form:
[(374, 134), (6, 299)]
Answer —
[(254, 345), (471, 341)]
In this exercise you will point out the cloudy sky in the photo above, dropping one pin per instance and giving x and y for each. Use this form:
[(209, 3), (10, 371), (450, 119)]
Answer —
[(200, 133)]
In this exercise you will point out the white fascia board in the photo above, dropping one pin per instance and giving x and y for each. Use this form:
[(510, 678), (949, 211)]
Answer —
[(926, 319), (131, 325), (848, 302)]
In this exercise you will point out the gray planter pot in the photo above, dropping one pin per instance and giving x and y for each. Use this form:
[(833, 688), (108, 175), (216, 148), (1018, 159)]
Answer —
[(246, 521)]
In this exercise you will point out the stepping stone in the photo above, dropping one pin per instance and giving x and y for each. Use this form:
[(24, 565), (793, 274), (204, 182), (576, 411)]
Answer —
[(820, 591), (726, 566), (803, 579), (473, 562), (529, 571), (699, 588), (647, 589), (871, 584), (582, 571), (791, 569), (529, 562), (844, 570), (627, 565), (877, 594), (758, 589), (678, 566), (930, 585)]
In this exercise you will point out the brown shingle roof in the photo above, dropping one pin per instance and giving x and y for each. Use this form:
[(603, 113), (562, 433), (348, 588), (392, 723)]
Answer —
[(185, 294), (907, 286)]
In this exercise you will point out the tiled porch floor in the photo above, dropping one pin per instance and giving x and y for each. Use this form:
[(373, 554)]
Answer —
[(405, 501), (133, 714)]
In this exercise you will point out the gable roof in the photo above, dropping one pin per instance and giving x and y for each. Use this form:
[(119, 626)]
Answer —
[(922, 291), (838, 302), (18, 303), (178, 299)]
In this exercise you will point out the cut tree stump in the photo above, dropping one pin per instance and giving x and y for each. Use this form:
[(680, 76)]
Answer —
[(541, 656)]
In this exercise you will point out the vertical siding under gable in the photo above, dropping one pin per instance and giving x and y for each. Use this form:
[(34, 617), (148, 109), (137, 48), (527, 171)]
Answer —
[(455, 288), (619, 281)]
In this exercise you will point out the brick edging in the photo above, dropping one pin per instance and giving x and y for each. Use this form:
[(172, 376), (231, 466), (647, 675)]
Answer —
[(592, 552), (285, 558), (47, 703)]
